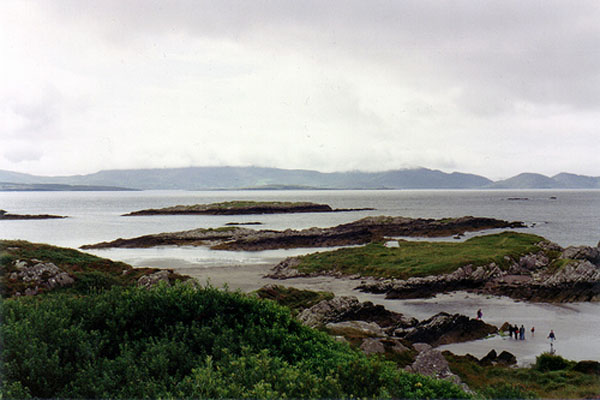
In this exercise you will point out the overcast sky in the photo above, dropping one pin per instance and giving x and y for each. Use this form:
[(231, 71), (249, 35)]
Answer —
[(488, 87)]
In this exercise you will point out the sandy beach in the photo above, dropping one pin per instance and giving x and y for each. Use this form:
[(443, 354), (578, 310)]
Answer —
[(576, 324)]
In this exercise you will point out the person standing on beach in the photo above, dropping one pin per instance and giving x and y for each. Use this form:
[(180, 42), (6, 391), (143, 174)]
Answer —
[(532, 331), (551, 336), (479, 314), (522, 333)]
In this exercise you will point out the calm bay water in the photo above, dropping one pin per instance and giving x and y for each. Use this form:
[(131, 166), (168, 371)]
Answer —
[(564, 216)]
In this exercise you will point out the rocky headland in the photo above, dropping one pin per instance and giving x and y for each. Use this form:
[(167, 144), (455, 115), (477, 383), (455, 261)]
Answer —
[(363, 231), (546, 273), (242, 208), (4, 215)]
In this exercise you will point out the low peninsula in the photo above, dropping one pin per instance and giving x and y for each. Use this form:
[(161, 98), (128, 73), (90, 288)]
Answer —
[(518, 265), (363, 231), (4, 215), (242, 208)]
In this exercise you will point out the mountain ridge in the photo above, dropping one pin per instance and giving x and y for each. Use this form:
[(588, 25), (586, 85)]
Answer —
[(253, 178)]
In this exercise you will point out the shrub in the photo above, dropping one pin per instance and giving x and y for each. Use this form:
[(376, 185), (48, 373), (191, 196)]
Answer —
[(183, 342), (551, 362)]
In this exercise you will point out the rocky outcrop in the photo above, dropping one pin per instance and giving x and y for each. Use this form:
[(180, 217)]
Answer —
[(242, 208), (355, 329), (492, 358), (348, 308), (362, 231), (444, 328), (39, 276), (6, 216), (572, 275)]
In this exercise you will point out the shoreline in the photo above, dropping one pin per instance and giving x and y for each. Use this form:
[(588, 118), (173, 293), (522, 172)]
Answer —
[(565, 318)]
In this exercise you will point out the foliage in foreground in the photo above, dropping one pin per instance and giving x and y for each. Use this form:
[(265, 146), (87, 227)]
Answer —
[(182, 342), (414, 258), (550, 377)]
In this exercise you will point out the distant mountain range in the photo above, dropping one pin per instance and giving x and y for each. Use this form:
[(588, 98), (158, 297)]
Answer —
[(256, 178)]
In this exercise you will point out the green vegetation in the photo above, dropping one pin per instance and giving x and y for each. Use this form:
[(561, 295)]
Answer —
[(421, 258), (295, 299), (551, 377), (91, 273), (183, 342), (249, 203)]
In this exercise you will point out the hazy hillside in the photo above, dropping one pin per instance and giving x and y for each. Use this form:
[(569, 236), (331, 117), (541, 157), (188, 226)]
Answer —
[(207, 178)]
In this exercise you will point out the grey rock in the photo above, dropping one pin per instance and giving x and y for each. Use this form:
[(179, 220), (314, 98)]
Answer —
[(42, 275), (432, 363), (355, 328), (591, 254), (372, 346), (148, 281), (421, 347)]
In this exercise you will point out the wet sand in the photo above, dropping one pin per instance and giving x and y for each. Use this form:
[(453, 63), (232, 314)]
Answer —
[(577, 325)]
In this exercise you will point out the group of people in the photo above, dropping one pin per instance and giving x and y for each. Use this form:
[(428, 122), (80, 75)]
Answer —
[(519, 333)]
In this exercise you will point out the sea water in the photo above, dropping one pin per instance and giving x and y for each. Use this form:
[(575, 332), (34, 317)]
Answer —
[(567, 217)]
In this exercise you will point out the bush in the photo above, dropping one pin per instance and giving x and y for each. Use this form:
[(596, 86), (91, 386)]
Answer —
[(551, 362), (183, 342)]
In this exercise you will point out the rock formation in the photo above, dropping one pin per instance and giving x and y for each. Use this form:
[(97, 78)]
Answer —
[(362, 231)]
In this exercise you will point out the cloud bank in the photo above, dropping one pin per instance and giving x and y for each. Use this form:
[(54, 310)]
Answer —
[(491, 88)]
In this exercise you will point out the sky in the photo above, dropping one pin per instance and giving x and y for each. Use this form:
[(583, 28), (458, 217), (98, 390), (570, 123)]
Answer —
[(488, 87)]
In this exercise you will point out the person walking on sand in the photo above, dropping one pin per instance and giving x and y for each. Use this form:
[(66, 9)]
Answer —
[(479, 314), (532, 331), (551, 336), (522, 332)]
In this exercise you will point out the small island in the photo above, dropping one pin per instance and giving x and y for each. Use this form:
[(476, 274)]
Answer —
[(363, 231), (4, 215), (243, 208)]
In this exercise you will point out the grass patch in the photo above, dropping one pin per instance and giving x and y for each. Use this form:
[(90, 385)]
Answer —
[(295, 299), (551, 377), (421, 258)]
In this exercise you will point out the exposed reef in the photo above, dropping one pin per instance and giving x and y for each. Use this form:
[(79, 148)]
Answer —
[(363, 231), (6, 216), (242, 208)]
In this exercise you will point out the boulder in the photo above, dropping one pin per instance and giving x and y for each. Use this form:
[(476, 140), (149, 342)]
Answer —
[(348, 308), (355, 329), (432, 363), (506, 358), (444, 328), (421, 347), (148, 281), (372, 346), (489, 358)]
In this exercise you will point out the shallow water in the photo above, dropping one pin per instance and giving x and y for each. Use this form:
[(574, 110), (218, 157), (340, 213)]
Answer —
[(573, 218)]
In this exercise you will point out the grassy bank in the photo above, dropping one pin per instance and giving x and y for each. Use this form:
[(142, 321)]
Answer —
[(89, 272), (181, 342), (412, 258), (552, 377)]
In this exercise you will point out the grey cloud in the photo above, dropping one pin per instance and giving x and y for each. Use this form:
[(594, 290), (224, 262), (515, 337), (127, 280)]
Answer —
[(536, 51)]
